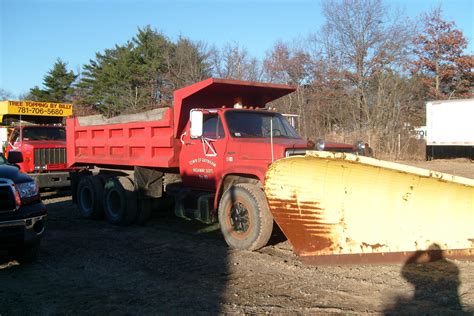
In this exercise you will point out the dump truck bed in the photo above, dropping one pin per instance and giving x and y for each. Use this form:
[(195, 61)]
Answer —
[(144, 139)]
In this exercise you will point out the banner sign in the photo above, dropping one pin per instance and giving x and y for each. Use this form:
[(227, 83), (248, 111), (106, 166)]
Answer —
[(35, 108)]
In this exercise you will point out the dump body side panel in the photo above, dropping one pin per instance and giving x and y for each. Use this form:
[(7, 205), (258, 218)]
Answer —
[(144, 139), (335, 205)]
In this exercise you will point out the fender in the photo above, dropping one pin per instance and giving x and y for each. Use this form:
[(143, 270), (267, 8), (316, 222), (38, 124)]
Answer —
[(252, 173)]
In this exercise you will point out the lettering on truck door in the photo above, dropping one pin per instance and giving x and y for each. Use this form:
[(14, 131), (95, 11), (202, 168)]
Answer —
[(202, 158)]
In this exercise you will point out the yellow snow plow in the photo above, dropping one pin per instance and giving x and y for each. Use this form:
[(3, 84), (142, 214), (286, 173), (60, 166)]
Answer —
[(343, 208)]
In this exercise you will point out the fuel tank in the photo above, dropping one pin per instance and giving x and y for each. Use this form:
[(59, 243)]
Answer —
[(344, 208)]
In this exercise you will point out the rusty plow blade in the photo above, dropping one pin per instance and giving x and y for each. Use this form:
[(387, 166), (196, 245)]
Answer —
[(343, 208)]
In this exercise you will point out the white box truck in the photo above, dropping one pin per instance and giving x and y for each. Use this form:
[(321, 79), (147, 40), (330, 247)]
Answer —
[(450, 129)]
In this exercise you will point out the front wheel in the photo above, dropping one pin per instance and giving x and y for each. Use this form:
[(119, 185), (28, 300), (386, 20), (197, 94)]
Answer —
[(244, 217)]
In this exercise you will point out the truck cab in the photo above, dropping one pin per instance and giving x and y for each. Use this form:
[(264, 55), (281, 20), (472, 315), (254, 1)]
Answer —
[(221, 142), (44, 153)]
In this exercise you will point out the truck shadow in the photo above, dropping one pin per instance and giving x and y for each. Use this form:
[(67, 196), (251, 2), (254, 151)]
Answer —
[(92, 267), (277, 236), (436, 284)]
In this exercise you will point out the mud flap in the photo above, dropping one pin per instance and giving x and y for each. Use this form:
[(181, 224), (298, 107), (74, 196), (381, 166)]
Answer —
[(148, 182)]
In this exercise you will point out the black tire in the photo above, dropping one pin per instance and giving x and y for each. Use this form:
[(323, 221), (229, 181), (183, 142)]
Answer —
[(75, 177), (27, 252), (244, 217), (90, 192), (144, 211), (120, 201), (429, 153)]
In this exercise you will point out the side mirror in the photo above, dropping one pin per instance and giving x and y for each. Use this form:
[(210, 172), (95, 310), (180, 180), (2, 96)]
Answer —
[(196, 118), (15, 157)]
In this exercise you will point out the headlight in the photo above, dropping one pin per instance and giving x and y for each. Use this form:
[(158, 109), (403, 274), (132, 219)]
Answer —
[(320, 145), (360, 146), (27, 189)]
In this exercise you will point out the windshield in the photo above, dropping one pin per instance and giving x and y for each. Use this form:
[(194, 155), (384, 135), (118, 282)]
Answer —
[(247, 124), (44, 133)]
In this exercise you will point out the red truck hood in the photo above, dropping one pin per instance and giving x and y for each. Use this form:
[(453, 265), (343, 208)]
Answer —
[(277, 141), (45, 143), (28, 149), (260, 148)]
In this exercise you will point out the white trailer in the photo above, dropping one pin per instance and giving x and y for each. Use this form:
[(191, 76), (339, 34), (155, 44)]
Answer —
[(450, 129)]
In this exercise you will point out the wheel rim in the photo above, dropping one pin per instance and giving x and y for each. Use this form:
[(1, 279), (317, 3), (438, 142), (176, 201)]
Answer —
[(86, 199), (114, 204), (239, 218)]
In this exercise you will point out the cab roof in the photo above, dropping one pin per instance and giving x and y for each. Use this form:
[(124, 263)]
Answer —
[(217, 93)]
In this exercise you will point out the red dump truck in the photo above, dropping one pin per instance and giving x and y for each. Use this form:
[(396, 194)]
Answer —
[(210, 152)]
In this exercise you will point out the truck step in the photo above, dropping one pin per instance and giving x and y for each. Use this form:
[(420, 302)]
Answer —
[(196, 205)]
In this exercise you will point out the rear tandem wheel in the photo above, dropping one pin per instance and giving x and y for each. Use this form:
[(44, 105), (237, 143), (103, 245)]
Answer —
[(120, 201), (89, 197)]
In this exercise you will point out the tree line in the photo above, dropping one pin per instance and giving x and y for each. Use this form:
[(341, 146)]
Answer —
[(366, 74)]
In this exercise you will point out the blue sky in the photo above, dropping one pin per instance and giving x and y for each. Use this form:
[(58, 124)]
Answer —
[(34, 33)]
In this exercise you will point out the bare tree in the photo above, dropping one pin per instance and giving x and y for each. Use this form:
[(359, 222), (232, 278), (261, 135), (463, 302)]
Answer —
[(333, 109), (188, 62), (233, 61), (441, 63), (368, 41), (5, 95), (291, 64), (360, 59)]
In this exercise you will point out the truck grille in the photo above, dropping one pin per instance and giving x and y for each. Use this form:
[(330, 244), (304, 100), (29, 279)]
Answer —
[(7, 199), (45, 156)]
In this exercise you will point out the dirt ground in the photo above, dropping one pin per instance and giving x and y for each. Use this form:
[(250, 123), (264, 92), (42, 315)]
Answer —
[(459, 167), (174, 266)]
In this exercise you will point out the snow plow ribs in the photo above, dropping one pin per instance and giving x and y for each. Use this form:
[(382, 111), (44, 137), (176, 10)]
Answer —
[(343, 208)]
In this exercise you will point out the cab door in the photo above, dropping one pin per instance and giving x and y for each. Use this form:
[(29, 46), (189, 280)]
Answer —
[(202, 158)]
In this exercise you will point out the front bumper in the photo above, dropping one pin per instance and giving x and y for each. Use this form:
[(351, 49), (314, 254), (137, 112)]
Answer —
[(24, 226), (52, 179)]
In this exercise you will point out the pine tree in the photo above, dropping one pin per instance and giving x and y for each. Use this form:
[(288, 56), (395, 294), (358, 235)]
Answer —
[(140, 74), (58, 83)]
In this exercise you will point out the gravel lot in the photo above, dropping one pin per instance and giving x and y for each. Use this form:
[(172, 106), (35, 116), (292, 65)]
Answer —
[(175, 266)]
